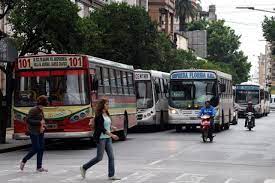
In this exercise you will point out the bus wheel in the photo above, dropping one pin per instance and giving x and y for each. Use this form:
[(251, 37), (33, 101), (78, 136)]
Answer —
[(227, 126), (123, 134), (178, 128), (218, 127), (161, 123)]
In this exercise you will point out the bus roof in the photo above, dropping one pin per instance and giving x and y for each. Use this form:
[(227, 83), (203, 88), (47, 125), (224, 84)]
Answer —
[(218, 73), (109, 63), (249, 83), (155, 73)]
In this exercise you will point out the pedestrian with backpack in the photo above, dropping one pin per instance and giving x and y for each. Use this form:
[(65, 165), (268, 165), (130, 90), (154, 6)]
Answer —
[(35, 129)]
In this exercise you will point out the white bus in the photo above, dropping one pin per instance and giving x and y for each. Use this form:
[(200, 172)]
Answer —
[(188, 91), (266, 101), (249, 91), (151, 93), (272, 102)]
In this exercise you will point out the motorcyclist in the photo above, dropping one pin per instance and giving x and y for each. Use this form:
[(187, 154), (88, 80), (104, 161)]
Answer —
[(250, 108), (211, 111)]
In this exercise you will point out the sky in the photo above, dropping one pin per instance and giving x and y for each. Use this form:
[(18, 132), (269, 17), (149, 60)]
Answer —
[(246, 23)]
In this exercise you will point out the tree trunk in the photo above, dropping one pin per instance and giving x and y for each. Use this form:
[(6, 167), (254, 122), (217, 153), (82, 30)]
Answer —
[(182, 24)]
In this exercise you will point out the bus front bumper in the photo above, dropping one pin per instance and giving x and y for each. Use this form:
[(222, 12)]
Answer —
[(57, 135), (184, 121)]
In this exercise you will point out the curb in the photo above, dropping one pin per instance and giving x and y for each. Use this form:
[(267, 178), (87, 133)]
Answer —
[(15, 148)]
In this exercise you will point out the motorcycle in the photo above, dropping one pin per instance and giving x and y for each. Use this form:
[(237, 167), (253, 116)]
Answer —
[(249, 120), (205, 128)]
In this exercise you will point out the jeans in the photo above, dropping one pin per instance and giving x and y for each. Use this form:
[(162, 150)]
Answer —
[(103, 144), (38, 144)]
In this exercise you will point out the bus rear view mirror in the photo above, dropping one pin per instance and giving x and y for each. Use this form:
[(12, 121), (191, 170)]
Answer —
[(223, 88)]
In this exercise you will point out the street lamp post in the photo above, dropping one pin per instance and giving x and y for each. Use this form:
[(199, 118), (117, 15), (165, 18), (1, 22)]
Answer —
[(253, 8)]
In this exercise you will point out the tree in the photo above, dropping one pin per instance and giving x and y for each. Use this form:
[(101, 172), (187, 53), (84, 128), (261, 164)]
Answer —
[(121, 33), (269, 28), (45, 26), (223, 49), (269, 31), (6, 6), (185, 9)]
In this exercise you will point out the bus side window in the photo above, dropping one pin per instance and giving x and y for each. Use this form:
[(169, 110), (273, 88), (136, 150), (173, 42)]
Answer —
[(119, 82), (131, 83), (99, 76), (125, 84), (106, 81), (113, 81)]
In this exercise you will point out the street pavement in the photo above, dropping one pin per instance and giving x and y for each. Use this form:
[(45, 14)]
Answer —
[(236, 155)]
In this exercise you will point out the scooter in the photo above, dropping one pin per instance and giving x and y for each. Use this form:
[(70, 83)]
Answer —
[(205, 127), (249, 120)]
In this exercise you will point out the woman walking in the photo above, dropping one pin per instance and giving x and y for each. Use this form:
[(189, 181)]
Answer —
[(36, 127), (103, 138)]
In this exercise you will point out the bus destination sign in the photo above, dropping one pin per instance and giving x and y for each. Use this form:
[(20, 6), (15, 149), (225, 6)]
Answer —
[(193, 75), (142, 76), (52, 62), (247, 87)]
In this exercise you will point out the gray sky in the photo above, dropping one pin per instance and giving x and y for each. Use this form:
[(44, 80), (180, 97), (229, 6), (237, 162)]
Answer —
[(246, 23)]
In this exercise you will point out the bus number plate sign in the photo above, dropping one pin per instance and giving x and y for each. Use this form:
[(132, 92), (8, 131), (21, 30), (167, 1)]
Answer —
[(142, 76), (45, 62)]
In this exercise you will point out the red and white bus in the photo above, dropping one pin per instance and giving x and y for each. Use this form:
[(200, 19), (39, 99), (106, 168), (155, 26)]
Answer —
[(73, 84)]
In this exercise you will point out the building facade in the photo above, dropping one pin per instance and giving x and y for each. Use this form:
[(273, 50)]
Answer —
[(163, 12), (266, 73)]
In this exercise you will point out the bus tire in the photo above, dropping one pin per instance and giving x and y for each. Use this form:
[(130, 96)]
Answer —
[(178, 128), (123, 133), (223, 124), (218, 127), (161, 122)]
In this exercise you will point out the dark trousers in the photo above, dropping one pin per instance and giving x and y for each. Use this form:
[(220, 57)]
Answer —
[(38, 144), (103, 144)]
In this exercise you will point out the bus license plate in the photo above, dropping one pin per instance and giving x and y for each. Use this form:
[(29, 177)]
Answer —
[(51, 126)]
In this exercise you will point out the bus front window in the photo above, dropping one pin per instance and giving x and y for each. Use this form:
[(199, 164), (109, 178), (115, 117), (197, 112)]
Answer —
[(144, 94), (62, 87), (191, 94), (244, 96)]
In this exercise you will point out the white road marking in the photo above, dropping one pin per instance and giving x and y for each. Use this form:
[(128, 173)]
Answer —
[(137, 177), (228, 180), (156, 162), (189, 178), (269, 181)]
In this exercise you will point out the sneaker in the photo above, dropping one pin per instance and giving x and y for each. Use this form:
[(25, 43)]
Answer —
[(114, 178), (22, 165), (82, 172), (41, 170)]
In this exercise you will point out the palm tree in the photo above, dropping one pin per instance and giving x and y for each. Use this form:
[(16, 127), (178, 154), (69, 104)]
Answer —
[(185, 9)]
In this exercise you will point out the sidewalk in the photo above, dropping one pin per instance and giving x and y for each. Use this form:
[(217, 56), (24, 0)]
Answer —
[(13, 145)]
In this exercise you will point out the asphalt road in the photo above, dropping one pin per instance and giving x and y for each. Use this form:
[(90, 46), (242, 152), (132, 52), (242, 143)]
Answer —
[(236, 155)]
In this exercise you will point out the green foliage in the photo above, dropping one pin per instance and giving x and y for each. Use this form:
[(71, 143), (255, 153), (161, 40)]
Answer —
[(45, 25), (222, 47), (185, 9), (197, 25), (269, 28), (121, 33)]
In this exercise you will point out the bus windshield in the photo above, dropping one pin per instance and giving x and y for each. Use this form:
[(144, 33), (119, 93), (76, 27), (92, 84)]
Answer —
[(244, 96), (186, 94), (144, 94), (63, 87)]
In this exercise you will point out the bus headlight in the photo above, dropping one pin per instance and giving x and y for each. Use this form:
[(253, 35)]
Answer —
[(80, 115), (173, 111), (20, 116)]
